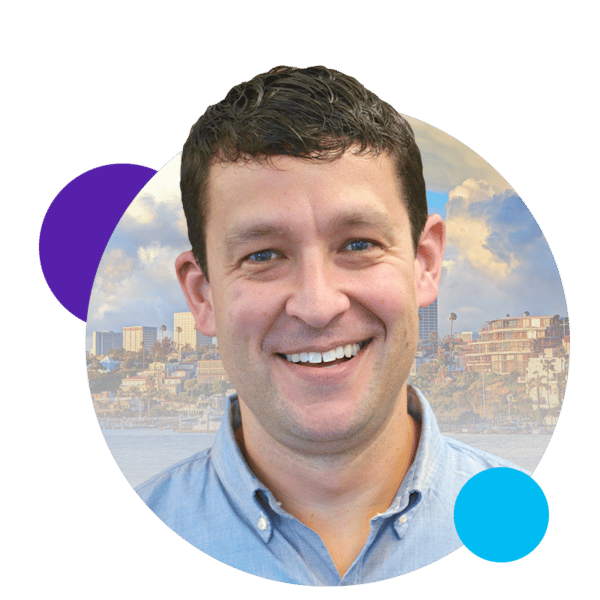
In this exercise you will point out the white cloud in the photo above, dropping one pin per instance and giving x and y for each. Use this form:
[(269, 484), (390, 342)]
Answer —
[(497, 260), (468, 231)]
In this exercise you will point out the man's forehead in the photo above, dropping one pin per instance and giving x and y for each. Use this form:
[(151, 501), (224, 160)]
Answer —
[(277, 174)]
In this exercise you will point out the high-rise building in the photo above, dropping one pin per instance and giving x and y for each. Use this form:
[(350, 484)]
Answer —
[(428, 321), (506, 345), (185, 332), (103, 341), (565, 330), (133, 337)]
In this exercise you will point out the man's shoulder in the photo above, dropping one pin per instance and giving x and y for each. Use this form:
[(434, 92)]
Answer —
[(177, 482), (469, 460)]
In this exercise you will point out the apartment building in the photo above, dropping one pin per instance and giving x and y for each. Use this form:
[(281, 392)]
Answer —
[(428, 321), (210, 371), (506, 345), (185, 332), (103, 341), (133, 337)]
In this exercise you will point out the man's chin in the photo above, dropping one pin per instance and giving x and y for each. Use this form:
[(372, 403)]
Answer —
[(326, 427)]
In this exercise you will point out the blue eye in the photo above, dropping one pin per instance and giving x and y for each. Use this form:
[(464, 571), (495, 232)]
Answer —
[(262, 256), (359, 245)]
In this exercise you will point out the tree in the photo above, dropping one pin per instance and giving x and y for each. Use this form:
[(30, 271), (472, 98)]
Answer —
[(179, 330), (561, 377), (536, 383), (548, 367), (453, 318)]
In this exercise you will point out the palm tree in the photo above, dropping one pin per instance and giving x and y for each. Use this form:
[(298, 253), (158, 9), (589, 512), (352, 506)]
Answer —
[(548, 366), (178, 330), (561, 377), (453, 318), (536, 383), (163, 328)]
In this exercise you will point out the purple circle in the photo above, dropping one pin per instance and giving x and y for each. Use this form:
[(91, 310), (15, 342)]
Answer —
[(78, 225)]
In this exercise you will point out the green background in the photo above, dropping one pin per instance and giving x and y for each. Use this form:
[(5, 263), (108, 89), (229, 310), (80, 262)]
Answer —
[(123, 82)]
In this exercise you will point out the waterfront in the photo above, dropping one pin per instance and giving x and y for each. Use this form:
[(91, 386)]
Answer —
[(142, 453)]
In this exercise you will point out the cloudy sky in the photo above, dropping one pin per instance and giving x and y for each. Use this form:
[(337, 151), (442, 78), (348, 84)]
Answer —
[(497, 261)]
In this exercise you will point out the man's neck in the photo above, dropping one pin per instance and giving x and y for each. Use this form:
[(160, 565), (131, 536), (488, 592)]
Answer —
[(335, 494)]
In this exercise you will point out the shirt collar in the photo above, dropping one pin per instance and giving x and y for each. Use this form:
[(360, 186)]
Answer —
[(241, 485), (249, 494), (422, 472)]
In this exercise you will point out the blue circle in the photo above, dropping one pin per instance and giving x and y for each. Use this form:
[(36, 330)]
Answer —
[(501, 514)]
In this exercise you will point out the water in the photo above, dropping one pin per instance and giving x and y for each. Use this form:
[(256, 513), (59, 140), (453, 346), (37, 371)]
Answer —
[(142, 453)]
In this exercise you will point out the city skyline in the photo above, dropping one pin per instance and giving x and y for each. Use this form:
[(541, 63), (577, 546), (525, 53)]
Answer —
[(497, 260)]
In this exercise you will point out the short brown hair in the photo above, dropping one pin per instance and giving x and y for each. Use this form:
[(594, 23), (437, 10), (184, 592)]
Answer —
[(314, 114)]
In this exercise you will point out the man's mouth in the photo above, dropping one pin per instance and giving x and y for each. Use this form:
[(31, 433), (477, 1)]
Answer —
[(338, 354)]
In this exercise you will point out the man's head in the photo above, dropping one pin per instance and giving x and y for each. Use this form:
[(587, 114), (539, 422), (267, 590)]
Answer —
[(319, 255), (315, 114)]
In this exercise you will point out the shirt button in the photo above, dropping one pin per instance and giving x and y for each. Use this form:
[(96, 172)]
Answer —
[(262, 523), (402, 519)]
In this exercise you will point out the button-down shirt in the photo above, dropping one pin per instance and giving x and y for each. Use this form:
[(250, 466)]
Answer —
[(215, 502)]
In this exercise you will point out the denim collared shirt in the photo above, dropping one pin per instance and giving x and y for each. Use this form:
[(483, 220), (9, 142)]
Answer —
[(214, 501)]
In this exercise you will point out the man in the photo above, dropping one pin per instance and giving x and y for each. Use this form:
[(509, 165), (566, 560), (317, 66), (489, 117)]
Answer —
[(312, 251)]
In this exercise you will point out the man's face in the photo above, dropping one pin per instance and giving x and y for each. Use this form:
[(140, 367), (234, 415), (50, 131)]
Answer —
[(314, 294)]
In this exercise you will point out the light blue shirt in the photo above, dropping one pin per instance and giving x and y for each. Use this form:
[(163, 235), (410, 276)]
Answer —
[(214, 501)]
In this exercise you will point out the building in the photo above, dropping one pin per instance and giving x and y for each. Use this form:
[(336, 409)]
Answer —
[(428, 321), (185, 332), (130, 383), (466, 336), (133, 337), (210, 371), (506, 345), (565, 330), (104, 341), (109, 364)]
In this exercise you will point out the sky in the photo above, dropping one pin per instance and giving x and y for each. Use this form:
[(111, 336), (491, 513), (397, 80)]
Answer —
[(497, 261)]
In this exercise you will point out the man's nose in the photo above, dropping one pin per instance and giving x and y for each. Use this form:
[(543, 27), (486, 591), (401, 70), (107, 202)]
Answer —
[(317, 297)]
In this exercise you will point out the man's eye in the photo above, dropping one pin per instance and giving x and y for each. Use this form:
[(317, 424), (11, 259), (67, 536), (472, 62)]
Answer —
[(359, 245), (262, 256)]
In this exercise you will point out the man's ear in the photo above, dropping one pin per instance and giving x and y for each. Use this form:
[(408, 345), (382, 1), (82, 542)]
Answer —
[(196, 289), (428, 259)]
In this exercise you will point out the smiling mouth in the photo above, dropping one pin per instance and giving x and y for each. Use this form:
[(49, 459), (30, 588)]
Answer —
[(335, 355)]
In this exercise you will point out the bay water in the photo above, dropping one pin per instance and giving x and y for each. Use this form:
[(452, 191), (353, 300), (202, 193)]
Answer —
[(142, 453)]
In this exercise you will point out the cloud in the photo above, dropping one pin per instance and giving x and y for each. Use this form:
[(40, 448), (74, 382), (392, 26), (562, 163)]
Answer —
[(472, 228), (497, 260)]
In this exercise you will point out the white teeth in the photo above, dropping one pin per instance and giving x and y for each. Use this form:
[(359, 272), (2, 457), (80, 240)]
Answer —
[(348, 351), (329, 356)]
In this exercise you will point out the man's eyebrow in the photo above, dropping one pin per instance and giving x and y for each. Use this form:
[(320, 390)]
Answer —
[(238, 236), (366, 217)]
